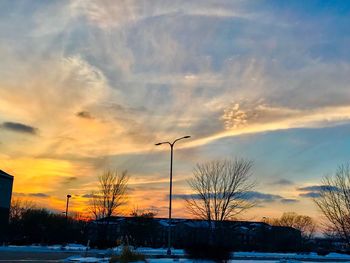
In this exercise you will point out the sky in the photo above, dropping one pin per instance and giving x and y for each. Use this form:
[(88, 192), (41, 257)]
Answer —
[(87, 86)]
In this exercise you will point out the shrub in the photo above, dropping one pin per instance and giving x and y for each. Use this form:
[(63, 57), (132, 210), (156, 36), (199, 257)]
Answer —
[(127, 255), (322, 252), (216, 253)]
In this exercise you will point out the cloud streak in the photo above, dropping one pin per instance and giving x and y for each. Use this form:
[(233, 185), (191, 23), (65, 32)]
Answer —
[(84, 115), (283, 182), (319, 118), (37, 195), (250, 196), (314, 191), (19, 127), (317, 188)]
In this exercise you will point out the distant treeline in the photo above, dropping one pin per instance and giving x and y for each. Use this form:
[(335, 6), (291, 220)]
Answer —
[(30, 225)]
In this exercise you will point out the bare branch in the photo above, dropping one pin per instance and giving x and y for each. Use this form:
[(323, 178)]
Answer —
[(110, 195), (219, 188), (334, 202), (305, 224)]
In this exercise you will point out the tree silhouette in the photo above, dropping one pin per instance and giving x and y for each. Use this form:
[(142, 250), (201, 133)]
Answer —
[(220, 189), (110, 195), (334, 202), (305, 224)]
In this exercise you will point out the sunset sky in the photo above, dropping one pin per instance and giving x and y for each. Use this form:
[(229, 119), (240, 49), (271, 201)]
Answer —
[(90, 85)]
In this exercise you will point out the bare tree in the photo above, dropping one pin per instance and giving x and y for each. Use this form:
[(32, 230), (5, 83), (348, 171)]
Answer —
[(220, 189), (334, 202), (305, 224), (144, 213), (19, 207), (110, 195)]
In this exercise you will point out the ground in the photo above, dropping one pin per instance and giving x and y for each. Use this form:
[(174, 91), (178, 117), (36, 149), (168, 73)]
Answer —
[(32, 257), (78, 253)]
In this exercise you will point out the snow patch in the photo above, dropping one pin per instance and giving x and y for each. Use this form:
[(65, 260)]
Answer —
[(86, 259)]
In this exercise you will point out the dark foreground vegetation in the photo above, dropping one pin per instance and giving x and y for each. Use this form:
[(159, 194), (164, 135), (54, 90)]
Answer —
[(29, 224), (127, 255), (208, 251), (40, 226)]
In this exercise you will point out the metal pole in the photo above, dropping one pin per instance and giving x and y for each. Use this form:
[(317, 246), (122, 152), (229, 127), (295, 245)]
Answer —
[(170, 197), (171, 185), (68, 196)]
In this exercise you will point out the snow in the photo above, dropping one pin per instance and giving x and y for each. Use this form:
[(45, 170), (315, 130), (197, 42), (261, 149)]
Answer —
[(239, 257), (86, 259), (169, 260), (51, 248), (301, 256), (337, 255), (76, 247), (153, 251)]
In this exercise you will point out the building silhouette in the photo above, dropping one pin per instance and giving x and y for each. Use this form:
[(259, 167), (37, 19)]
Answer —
[(235, 235), (6, 183)]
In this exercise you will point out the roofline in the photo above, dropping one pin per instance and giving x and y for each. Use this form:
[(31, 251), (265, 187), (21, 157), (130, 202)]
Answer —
[(5, 175), (184, 219), (195, 220)]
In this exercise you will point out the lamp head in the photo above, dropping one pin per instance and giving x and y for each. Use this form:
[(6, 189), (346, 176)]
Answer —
[(157, 144), (69, 196), (187, 136)]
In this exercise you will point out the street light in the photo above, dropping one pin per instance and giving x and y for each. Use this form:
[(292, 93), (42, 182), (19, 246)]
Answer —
[(68, 196), (171, 184)]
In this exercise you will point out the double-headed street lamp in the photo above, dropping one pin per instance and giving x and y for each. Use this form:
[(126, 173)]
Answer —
[(171, 184)]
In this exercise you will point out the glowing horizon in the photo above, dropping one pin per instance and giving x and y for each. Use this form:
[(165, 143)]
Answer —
[(87, 86)]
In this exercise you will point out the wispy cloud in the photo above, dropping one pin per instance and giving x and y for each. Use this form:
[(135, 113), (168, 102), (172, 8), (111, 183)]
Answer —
[(87, 196), (84, 114), (38, 195), (69, 180), (263, 197), (108, 14), (251, 196), (283, 182), (289, 201), (105, 80), (317, 188), (19, 127), (310, 194), (314, 191)]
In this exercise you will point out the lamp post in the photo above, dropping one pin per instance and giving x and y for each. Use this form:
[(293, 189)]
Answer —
[(171, 144), (68, 196)]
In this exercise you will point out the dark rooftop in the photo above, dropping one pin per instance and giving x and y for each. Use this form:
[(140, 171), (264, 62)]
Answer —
[(5, 175)]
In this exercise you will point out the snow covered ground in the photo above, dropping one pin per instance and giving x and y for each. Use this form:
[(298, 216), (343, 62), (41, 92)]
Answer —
[(184, 260), (296, 256), (36, 248), (86, 259), (76, 252), (241, 257), (153, 251)]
